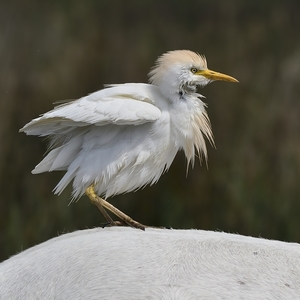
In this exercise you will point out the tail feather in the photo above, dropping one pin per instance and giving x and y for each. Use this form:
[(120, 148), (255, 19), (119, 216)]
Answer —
[(66, 155), (59, 158), (47, 162), (63, 183)]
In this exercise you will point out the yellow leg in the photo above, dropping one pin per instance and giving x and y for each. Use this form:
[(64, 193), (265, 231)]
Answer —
[(102, 204)]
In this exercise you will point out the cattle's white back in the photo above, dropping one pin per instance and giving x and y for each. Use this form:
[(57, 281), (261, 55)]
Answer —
[(124, 263)]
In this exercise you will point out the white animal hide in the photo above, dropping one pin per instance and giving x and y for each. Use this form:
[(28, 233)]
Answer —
[(124, 263)]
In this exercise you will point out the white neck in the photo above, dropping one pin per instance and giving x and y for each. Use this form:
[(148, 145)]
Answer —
[(190, 124)]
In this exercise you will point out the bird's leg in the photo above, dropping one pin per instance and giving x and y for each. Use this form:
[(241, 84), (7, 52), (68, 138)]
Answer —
[(101, 204), (93, 198), (103, 211)]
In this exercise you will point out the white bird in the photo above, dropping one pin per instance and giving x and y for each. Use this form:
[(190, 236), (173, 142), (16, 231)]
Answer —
[(125, 136)]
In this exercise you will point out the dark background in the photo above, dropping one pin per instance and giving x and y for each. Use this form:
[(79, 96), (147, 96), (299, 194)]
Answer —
[(59, 50)]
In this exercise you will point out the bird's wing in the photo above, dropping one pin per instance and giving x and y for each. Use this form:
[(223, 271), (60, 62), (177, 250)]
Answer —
[(124, 104)]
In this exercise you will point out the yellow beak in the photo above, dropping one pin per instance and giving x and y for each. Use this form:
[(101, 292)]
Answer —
[(212, 75)]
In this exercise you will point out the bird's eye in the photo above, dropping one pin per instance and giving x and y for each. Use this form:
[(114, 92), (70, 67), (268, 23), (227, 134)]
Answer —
[(194, 70)]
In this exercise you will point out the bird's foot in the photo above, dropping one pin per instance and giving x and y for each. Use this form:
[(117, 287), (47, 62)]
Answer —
[(113, 223)]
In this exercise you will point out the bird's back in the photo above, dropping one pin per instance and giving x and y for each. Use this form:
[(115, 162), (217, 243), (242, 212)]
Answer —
[(119, 151)]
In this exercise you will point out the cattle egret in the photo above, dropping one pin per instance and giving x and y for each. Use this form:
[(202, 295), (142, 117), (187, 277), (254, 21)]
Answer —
[(125, 136)]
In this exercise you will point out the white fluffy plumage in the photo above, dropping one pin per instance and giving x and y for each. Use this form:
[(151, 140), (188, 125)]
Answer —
[(125, 136)]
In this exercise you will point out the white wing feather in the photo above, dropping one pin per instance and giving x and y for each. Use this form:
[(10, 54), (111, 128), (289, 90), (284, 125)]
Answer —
[(124, 104)]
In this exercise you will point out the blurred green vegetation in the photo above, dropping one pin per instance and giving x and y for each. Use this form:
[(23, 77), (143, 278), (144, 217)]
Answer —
[(58, 50)]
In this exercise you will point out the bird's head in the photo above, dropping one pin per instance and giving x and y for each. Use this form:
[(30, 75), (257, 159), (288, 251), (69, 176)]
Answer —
[(181, 71)]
